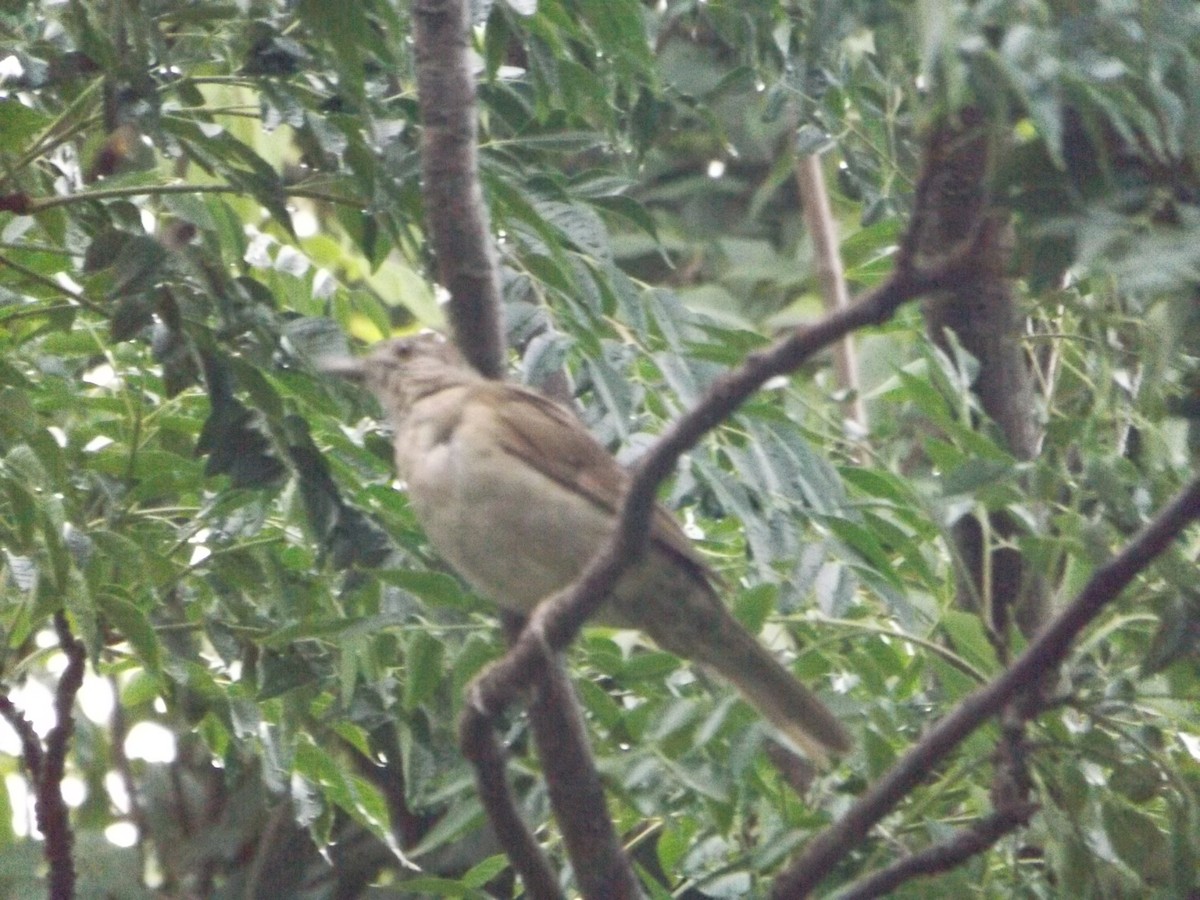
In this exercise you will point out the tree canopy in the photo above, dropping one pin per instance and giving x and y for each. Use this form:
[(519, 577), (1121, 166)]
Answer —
[(230, 664)]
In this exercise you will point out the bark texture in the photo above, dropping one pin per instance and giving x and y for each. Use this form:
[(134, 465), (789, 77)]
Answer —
[(982, 314)]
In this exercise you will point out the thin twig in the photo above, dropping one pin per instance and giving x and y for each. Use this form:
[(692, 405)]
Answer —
[(40, 204), (119, 726), (51, 284)]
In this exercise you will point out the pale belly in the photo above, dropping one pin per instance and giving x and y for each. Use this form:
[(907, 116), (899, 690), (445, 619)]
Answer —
[(515, 535)]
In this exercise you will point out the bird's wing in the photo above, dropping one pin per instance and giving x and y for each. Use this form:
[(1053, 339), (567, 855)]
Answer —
[(528, 422)]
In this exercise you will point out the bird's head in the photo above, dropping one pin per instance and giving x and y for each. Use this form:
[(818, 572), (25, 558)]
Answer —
[(400, 371)]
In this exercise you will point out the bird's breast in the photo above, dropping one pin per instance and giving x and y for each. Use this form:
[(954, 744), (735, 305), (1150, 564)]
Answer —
[(514, 534)]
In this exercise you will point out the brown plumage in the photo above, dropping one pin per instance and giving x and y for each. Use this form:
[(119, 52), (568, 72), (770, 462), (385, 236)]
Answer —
[(518, 496)]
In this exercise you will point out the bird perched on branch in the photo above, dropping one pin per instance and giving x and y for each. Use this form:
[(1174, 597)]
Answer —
[(517, 496)]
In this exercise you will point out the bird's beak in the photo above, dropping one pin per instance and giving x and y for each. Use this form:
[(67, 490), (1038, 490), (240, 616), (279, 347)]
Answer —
[(349, 367)]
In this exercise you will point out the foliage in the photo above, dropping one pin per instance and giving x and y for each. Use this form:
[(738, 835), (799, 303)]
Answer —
[(199, 200)]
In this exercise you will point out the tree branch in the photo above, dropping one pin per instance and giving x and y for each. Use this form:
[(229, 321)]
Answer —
[(482, 749), (461, 237), (34, 205), (602, 869), (941, 857), (1044, 654), (454, 204), (52, 814), (46, 767), (52, 285)]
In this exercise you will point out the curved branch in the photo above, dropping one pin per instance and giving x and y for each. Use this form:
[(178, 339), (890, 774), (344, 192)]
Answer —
[(47, 765), (1041, 656), (52, 812)]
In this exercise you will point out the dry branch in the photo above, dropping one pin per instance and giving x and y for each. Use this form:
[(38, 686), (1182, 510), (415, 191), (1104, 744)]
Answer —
[(827, 260)]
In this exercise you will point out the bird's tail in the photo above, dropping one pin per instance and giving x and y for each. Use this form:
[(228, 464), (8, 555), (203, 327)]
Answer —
[(763, 681), (782, 700)]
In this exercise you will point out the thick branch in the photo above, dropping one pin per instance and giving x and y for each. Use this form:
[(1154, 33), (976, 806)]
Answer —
[(458, 221), (983, 316), (454, 206), (602, 869), (47, 766), (483, 751), (1042, 656)]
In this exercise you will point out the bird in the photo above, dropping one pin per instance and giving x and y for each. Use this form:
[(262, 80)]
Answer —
[(517, 496)]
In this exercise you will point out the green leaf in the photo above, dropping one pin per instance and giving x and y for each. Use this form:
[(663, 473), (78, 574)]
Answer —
[(18, 122), (865, 543), (283, 672), (1138, 840), (755, 605), (432, 886), (423, 668), (434, 588), (137, 266), (354, 795), (463, 817), (481, 873), (974, 474), (346, 28), (969, 638), (135, 626)]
